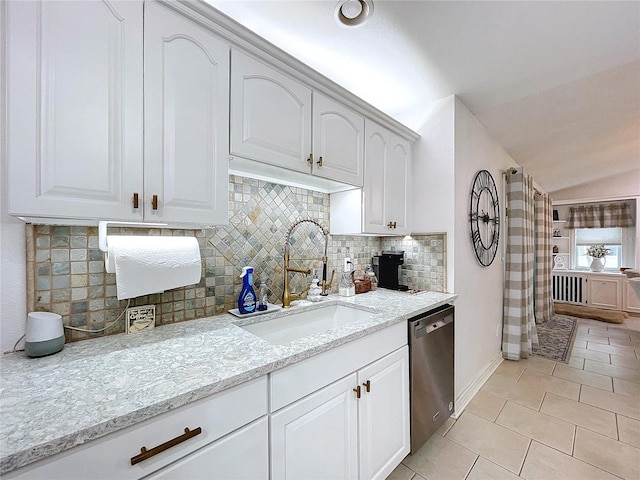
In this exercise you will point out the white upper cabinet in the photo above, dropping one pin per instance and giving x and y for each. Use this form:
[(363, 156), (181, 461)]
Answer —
[(338, 141), (270, 115), (74, 123), (86, 144), (398, 186), (383, 206), (387, 182), (186, 120), (271, 122)]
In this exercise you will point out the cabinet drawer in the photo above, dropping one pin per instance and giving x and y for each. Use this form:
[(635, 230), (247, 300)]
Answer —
[(243, 454), (110, 457), (303, 378)]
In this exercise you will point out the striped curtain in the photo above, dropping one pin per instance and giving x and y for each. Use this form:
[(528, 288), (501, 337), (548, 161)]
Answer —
[(519, 330), (543, 259), (607, 215)]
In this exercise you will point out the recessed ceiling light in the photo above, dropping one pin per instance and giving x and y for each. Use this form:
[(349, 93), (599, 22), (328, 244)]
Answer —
[(352, 13)]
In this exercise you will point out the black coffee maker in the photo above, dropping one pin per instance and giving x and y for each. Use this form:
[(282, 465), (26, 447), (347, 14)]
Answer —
[(387, 269)]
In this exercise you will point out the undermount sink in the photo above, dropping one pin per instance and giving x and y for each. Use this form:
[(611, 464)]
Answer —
[(282, 330)]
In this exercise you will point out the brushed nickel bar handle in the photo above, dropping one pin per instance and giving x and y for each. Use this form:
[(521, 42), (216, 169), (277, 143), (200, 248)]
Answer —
[(319, 161), (310, 159), (146, 454), (135, 200), (154, 202)]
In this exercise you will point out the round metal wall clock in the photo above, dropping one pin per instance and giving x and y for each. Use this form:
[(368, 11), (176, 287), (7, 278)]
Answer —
[(484, 214)]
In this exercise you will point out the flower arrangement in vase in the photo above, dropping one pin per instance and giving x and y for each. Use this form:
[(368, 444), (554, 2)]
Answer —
[(597, 254)]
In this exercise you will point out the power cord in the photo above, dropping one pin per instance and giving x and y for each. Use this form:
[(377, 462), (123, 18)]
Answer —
[(68, 327)]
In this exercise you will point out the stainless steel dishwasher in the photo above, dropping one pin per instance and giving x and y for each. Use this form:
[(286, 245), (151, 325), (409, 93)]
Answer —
[(430, 372)]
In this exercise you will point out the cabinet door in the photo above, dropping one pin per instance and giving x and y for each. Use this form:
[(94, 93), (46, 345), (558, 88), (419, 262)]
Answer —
[(383, 415), (186, 120), (338, 142), (75, 133), (316, 437), (243, 454), (605, 292), (270, 115), (631, 296), (398, 185), (377, 148)]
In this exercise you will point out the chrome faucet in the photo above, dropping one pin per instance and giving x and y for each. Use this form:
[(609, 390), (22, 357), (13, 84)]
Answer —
[(287, 296)]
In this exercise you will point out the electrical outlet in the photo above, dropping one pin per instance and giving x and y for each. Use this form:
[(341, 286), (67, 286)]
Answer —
[(141, 318), (347, 262)]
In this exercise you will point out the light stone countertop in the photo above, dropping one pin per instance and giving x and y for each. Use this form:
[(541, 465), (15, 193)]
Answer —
[(96, 387)]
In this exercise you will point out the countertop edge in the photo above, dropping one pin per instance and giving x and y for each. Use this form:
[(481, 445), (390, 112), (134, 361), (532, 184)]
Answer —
[(47, 449)]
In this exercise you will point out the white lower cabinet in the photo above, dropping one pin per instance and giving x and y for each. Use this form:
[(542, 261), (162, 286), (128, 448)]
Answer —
[(383, 415), (229, 446), (238, 456), (356, 427), (342, 414), (631, 298), (316, 437), (605, 291)]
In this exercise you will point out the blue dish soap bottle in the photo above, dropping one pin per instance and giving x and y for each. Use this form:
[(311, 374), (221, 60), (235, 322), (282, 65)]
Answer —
[(247, 298)]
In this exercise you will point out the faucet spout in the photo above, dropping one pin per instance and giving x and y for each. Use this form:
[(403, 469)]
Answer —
[(287, 296)]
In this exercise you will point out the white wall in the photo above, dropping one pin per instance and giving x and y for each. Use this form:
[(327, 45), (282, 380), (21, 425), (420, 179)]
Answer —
[(625, 185), (452, 148), (479, 307), (12, 241), (433, 173), (616, 187)]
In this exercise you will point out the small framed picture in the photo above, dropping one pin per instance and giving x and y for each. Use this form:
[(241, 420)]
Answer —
[(555, 215)]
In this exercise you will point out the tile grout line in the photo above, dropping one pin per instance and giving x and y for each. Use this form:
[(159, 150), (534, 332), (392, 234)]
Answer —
[(524, 459), (474, 464)]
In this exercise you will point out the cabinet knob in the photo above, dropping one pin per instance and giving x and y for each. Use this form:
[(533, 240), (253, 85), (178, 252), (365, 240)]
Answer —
[(136, 200), (357, 390), (319, 161), (367, 385), (154, 202)]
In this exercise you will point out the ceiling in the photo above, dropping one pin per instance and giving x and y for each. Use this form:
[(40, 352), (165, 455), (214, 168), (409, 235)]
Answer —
[(556, 83)]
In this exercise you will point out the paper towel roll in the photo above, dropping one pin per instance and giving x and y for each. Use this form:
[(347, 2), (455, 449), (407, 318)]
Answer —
[(150, 264)]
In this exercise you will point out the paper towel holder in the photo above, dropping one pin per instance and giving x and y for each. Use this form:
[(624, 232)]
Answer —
[(102, 230)]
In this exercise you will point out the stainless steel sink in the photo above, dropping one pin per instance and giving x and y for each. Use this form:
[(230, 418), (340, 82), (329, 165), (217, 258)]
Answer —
[(282, 330)]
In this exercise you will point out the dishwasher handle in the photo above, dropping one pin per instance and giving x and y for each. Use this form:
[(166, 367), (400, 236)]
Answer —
[(424, 327)]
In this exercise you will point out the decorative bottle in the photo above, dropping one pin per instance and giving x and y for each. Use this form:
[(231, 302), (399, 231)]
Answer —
[(314, 290), (262, 297)]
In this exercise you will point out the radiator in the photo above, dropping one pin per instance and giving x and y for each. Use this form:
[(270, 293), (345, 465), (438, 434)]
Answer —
[(570, 288)]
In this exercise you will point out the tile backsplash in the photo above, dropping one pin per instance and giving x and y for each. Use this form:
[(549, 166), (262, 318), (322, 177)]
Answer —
[(66, 275)]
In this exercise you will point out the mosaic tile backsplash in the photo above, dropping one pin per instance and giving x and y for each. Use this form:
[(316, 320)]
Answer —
[(66, 274)]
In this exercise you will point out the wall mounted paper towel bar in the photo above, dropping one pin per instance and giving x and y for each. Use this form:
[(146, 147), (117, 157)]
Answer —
[(102, 230)]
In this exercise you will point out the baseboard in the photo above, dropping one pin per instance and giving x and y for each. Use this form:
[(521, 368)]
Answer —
[(465, 397)]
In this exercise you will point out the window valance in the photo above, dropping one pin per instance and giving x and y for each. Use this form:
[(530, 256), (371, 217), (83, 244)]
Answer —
[(606, 215)]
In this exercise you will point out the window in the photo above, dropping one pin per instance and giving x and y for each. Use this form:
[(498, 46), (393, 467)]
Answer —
[(611, 238)]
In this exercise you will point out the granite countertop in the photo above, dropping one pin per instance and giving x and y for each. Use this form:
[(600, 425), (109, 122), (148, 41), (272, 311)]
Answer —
[(95, 387)]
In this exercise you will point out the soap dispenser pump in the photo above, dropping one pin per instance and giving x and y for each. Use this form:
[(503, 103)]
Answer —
[(247, 298)]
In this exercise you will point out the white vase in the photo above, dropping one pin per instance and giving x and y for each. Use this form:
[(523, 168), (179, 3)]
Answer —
[(597, 264)]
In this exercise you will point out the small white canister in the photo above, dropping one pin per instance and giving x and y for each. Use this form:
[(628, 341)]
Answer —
[(45, 334)]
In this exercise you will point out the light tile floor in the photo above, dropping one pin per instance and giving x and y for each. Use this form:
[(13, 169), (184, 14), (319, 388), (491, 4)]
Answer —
[(538, 419)]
